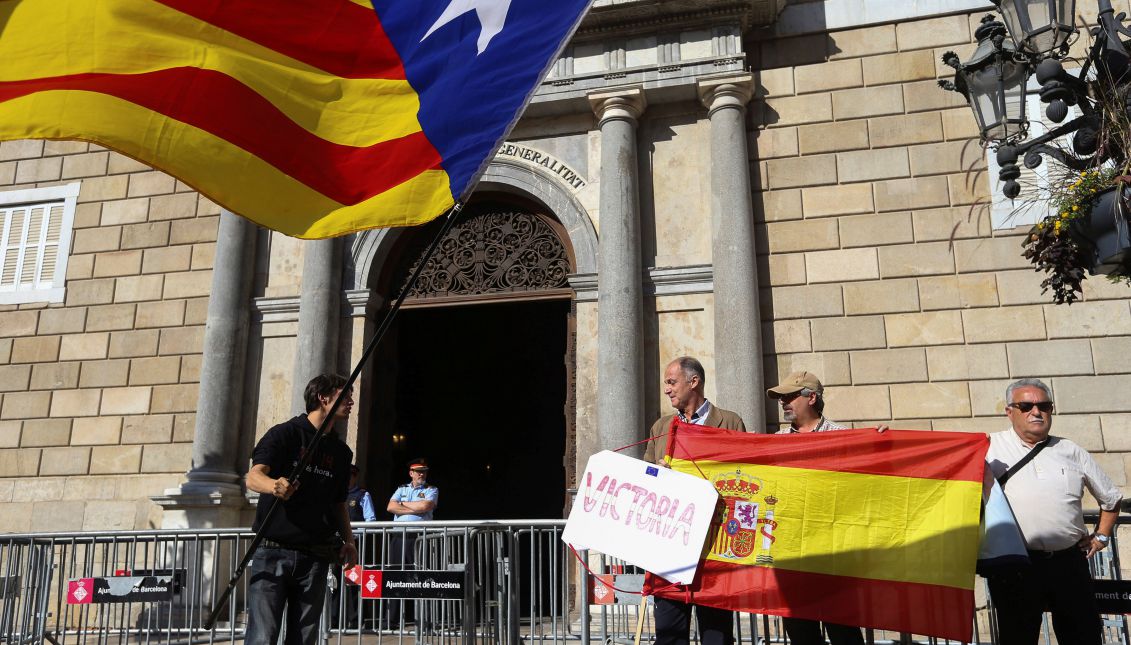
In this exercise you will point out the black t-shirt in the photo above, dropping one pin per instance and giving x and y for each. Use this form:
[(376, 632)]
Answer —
[(308, 517)]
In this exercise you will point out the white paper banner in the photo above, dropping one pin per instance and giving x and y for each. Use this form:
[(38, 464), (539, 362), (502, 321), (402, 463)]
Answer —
[(652, 517)]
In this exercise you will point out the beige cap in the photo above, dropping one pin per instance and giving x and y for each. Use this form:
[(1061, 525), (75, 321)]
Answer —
[(796, 382)]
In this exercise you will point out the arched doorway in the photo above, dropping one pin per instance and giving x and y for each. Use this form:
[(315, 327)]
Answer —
[(476, 374)]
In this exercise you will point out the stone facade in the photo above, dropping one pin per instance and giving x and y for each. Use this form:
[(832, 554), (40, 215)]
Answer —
[(872, 262)]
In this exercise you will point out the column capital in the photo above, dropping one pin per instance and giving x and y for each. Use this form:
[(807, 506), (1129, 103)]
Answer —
[(729, 91), (626, 103)]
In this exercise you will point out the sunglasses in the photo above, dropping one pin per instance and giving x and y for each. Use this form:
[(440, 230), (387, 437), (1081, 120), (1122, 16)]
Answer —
[(1025, 406)]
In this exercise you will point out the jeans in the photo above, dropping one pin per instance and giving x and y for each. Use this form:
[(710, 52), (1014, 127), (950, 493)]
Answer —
[(290, 581)]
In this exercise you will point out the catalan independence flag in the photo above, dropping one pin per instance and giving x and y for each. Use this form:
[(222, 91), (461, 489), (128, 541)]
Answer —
[(851, 527), (311, 117)]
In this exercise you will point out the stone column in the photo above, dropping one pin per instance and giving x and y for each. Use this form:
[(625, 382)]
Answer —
[(318, 315), (738, 330), (620, 304), (213, 494)]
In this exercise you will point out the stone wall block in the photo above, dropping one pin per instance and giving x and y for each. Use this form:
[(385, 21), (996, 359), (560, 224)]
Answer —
[(190, 231), (925, 96), (168, 458), (931, 328), (49, 517), (7, 173), (117, 460), (775, 142), (915, 259), (87, 215), (174, 398), (181, 340), (14, 378), (75, 403), (80, 267), (826, 76), (5, 350), (781, 270), (110, 317), (809, 301), (778, 205), (958, 124), (147, 235), (196, 311), (832, 137), (951, 223), (773, 82), (866, 102), (888, 366), (988, 398), (109, 515), (844, 199), (881, 297), (65, 461), (92, 431), (871, 165), (104, 373), (203, 255), (1046, 358), (150, 428), (20, 463), (1021, 287), (33, 171), (933, 32), (61, 320), (62, 147), (786, 337), (930, 400), (875, 230), (10, 436), (856, 332), (999, 325), (860, 402), (39, 433), (798, 50), (162, 313), (154, 182), (19, 323), (90, 292), (968, 188), (120, 164), (161, 370), (188, 285), (965, 363), (125, 211), (138, 288), (866, 41), (1083, 319), (131, 344), (183, 426), (950, 157), (994, 254), (37, 349), (794, 110), (190, 368), (25, 405), (21, 149), (898, 68), (119, 263), (905, 130), (100, 189), (912, 194), (792, 172), (842, 265), (126, 400), (1082, 429), (167, 259), (1110, 354), (807, 235), (174, 207), (832, 368), (96, 240), (1116, 429)]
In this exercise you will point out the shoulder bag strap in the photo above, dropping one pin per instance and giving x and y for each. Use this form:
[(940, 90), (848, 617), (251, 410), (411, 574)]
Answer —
[(1021, 464)]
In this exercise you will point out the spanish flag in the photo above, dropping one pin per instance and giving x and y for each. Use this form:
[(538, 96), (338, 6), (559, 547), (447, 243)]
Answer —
[(315, 118), (851, 527)]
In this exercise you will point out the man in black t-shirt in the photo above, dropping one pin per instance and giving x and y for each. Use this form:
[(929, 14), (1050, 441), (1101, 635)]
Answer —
[(311, 526)]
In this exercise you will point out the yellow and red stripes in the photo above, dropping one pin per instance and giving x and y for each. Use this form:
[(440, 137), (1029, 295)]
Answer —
[(870, 529), (296, 115)]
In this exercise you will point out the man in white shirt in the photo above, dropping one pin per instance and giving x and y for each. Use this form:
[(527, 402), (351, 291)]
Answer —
[(1045, 495)]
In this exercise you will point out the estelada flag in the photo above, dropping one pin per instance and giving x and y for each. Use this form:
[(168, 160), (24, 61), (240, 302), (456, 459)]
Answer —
[(311, 117), (852, 527)]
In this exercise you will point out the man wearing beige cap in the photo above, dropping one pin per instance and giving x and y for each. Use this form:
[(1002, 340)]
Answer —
[(803, 404)]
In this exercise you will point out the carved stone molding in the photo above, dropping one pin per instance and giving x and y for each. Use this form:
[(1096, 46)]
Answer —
[(495, 253)]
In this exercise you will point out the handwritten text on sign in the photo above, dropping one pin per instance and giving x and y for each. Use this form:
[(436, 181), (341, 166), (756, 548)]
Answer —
[(652, 517)]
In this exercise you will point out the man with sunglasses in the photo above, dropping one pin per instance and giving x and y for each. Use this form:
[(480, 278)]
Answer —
[(802, 399), (1045, 494), (413, 502)]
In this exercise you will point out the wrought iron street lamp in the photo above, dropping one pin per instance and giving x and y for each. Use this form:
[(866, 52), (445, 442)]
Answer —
[(1039, 27)]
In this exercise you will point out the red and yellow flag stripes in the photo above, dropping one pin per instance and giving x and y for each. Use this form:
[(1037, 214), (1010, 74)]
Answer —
[(849, 527), (323, 139)]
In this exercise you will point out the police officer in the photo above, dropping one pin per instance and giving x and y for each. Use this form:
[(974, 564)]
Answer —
[(359, 501), (414, 502)]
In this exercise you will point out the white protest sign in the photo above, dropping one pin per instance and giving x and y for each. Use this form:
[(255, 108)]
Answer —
[(652, 517)]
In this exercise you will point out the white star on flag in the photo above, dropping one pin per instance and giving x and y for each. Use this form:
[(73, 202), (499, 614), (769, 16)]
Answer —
[(492, 14)]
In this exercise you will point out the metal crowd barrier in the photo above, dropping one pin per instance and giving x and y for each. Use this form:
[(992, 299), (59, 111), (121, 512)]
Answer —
[(521, 585)]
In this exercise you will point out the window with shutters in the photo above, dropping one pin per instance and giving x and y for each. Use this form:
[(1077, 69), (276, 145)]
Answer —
[(35, 240)]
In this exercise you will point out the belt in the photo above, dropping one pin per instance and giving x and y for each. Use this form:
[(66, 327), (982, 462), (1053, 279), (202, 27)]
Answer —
[(1049, 555), (326, 551)]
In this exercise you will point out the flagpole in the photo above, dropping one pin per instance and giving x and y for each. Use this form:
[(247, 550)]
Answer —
[(308, 455)]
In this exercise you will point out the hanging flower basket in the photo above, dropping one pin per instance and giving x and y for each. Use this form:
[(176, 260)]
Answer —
[(1089, 232)]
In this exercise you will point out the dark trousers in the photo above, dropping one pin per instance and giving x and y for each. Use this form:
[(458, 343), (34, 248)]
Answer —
[(401, 557), (285, 580), (808, 632), (1060, 583), (673, 623)]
